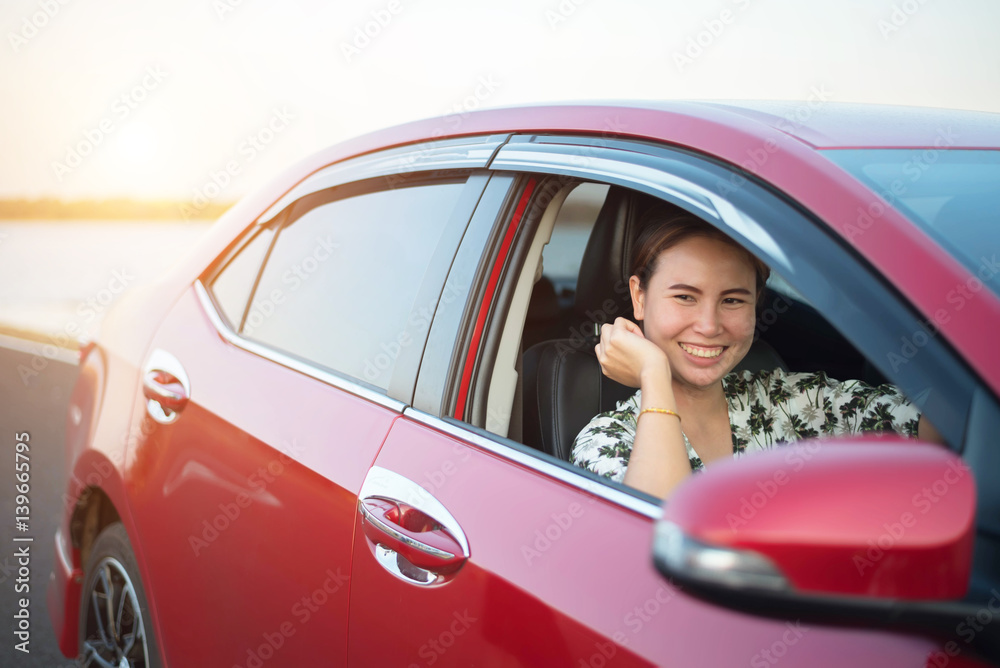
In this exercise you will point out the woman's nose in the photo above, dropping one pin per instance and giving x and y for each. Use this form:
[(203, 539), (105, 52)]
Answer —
[(708, 322)]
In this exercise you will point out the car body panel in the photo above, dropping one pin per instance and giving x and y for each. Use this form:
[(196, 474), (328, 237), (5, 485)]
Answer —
[(96, 442), (248, 496)]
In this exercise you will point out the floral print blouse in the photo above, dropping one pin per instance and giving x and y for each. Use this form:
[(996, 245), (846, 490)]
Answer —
[(766, 408)]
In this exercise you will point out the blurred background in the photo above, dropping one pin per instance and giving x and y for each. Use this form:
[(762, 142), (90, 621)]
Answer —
[(132, 112), (130, 125), (184, 84)]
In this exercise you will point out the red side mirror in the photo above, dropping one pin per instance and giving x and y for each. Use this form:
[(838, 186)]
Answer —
[(888, 519)]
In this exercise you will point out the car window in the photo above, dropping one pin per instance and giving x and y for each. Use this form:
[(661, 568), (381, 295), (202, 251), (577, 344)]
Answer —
[(342, 277), (954, 195), (234, 282), (791, 332)]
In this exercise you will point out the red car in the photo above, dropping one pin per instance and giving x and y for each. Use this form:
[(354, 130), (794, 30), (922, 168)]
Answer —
[(338, 433)]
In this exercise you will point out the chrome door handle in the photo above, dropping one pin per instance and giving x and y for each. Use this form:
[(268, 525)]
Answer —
[(165, 386), (165, 389), (410, 532)]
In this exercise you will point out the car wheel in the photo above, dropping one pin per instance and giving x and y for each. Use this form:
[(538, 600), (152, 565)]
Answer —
[(115, 627)]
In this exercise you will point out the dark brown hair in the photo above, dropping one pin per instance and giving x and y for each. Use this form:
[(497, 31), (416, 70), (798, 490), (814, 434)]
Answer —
[(662, 229)]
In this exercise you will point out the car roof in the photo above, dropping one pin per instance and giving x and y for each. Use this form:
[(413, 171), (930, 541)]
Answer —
[(853, 125), (724, 129), (815, 123)]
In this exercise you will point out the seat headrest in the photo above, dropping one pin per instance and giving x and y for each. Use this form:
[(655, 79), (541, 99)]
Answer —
[(604, 269), (605, 260), (544, 304)]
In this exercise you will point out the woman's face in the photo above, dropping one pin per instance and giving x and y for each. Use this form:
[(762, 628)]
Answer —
[(698, 307)]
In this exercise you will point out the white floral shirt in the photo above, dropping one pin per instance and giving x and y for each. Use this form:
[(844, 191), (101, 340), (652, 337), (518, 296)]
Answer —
[(765, 408)]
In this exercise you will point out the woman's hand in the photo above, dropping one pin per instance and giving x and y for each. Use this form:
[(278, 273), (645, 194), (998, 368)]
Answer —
[(658, 461), (626, 356)]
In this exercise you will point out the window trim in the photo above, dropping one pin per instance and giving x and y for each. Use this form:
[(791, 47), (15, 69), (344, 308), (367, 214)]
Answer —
[(225, 258), (504, 380), (610, 165), (476, 341), (528, 457), (463, 153), (451, 330)]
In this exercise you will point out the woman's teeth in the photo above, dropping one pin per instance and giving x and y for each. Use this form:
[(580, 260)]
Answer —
[(702, 352)]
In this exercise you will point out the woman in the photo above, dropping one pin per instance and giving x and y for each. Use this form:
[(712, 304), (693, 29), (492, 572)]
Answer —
[(696, 293)]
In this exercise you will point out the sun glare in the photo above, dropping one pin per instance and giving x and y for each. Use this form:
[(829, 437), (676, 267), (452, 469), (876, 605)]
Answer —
[(135, 144)]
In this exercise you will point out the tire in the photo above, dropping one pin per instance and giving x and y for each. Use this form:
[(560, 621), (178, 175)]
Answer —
[(114, 615)]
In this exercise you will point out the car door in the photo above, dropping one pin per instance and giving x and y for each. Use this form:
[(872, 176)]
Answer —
[(434, 485), (269, 389), (474, 549)]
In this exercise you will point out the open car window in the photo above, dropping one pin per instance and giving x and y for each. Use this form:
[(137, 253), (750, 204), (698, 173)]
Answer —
[(790, 335)]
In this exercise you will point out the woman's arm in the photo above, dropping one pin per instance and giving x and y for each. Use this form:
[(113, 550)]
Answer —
[(658, 461), (928, 432)]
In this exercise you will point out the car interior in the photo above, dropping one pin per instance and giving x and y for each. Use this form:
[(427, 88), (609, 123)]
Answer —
[(546, 383)]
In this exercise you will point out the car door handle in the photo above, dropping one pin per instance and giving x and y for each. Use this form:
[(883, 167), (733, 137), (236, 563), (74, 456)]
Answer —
[(165, 389), (411, 533), (165, 386)]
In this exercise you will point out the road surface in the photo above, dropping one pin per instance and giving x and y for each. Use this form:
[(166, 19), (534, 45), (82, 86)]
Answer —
[(35, 404)]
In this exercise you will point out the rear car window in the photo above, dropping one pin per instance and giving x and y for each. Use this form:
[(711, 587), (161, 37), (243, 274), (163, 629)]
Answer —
[(342, 278)]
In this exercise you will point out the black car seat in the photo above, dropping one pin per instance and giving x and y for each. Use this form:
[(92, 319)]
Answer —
[(563, 384)]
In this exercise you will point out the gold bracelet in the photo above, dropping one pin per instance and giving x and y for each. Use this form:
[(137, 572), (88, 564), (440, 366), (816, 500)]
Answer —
[(665, 411)]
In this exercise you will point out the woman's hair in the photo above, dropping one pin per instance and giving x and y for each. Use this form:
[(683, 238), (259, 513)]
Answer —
[(661, 229)]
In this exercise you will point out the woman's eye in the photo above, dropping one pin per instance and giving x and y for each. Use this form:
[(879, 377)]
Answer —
[(733, 300), (684, 298)]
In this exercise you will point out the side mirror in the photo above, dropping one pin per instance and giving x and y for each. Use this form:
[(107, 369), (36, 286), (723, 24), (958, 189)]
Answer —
[(875, 530)]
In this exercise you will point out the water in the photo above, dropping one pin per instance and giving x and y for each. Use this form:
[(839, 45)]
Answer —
[(57, 276)]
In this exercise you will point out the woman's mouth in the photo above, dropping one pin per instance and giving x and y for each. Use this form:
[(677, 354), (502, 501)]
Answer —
[(707, 352)]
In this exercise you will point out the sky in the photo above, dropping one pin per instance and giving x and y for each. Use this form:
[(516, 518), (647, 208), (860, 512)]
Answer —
[(133, 98)]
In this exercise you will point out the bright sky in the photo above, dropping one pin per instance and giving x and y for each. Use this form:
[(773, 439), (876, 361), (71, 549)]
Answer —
[(143, 99)]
